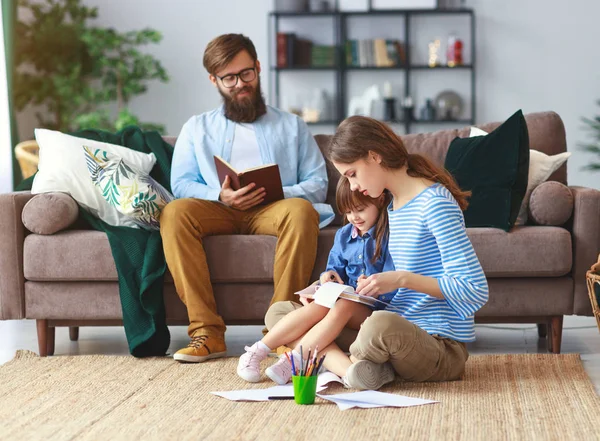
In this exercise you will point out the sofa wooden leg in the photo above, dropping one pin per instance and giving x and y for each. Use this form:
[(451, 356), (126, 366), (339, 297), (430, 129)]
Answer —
[(74, 333), (50, 340), (42, 333), (46, 336), (542, 330), (555, 327)]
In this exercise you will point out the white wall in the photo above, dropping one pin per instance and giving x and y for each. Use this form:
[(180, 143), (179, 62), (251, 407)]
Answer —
[(535, 54), (6, 176), (541, 55)]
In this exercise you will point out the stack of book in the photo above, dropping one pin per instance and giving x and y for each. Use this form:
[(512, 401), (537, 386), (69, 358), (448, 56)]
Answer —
[(323, 56), (293, 51), (375, 53)]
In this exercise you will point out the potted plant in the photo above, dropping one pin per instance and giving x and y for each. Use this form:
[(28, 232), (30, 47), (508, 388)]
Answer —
[(593, 125), (78, 71)]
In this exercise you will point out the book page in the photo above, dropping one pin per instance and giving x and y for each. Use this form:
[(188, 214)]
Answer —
[(328, 293), (257, 168), (308, 292)]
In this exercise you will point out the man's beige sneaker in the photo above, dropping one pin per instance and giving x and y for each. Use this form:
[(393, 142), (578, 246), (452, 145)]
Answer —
[(202, 348)]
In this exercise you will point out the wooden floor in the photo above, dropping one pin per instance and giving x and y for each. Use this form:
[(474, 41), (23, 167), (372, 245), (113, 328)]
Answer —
[(580, 335)]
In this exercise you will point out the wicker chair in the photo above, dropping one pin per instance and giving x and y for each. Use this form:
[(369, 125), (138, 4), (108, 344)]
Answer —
[(593, 284), (27, 153)]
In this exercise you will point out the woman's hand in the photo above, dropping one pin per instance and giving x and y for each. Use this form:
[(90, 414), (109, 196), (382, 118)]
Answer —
[(330, 276), (380, 283)]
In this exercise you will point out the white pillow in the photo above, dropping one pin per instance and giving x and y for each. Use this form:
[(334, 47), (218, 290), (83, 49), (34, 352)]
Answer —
[(132, 192), (541, 167), (62, 168)]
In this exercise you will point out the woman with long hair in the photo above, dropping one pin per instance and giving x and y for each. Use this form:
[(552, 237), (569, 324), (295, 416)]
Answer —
[(438, 279)]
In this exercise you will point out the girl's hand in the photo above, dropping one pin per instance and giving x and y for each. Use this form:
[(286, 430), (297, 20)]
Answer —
[(305, 301), (381, 283), (330, 276)]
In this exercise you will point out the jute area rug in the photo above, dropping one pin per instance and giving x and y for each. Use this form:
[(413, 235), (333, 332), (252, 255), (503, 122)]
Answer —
[(503, 397)]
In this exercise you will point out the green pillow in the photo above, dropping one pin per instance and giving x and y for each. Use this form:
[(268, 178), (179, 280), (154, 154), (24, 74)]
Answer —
[(494, 168)]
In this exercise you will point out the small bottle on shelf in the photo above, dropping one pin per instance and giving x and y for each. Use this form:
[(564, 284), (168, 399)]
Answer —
[(454, 51)]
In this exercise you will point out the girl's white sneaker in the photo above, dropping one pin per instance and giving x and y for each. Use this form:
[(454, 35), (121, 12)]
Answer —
[(280, 372), (249, 364)]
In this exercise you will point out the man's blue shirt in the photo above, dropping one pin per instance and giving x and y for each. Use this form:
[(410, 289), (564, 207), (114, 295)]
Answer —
[(283, 139)]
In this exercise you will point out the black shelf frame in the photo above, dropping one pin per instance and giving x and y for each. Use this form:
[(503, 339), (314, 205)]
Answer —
[(340, 21)]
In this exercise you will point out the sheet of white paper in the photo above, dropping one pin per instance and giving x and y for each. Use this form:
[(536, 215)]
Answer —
[(371, 398), (326, 378), (328, 294), (261, 394), (310, 290)]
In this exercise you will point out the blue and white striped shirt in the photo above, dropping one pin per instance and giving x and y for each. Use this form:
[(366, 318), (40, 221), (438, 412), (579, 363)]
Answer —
[(428, 237)]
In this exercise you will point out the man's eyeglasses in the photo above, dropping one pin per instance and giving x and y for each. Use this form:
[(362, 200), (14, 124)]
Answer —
[(231, 80)]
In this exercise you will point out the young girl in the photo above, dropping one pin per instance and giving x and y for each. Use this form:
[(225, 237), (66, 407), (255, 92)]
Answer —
[(438, 279), (359, 250)]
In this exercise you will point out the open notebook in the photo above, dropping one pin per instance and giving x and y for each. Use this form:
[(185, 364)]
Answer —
[(329, 292)]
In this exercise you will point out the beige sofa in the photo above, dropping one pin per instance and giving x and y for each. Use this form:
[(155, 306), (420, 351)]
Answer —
[(536, 273)]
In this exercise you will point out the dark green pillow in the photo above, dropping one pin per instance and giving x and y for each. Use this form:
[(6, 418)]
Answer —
[(494, 168)]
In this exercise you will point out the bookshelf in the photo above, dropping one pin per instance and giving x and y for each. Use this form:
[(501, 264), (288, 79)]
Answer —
[(410, 72)]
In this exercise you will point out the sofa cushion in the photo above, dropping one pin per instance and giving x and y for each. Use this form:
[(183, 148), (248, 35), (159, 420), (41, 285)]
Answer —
[(86, 256), (530, 251), (541, 167), (494, 168), (526, 251), (551, 204), (133, 192), (63, 168), (49, 213)]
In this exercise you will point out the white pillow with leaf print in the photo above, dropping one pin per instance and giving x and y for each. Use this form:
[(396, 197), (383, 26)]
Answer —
[(132, 192), (541, 166), (62, 168)]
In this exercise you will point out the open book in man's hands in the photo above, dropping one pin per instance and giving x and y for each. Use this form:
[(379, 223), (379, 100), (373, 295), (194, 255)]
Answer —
[(266, 176), (328, 293)]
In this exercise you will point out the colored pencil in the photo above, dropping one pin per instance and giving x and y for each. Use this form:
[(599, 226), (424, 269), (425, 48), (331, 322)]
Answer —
[(291, 358), (289, 361)]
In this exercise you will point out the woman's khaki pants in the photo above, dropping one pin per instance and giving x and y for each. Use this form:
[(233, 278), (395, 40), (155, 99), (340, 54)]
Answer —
[(386, 336)]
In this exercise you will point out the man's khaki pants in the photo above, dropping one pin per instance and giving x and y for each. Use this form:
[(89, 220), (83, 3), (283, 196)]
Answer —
[(185, 223), (386, 336)]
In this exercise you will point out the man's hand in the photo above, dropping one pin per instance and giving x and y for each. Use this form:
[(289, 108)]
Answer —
[(380, 283), (330, 276), (242, 199)]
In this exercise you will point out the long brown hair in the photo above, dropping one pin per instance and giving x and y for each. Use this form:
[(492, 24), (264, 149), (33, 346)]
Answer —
[(221, 50), (348, 200), (357, 135)]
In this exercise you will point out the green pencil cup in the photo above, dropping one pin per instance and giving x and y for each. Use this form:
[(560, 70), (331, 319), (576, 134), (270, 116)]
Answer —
[(305, 389)]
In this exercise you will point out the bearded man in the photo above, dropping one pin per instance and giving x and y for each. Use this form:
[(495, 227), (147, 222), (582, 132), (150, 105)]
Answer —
[(245, 132)]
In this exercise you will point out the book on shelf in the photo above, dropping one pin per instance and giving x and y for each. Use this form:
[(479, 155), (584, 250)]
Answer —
[(266, 176), (375, 53), (292, 51), (327, 294)]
